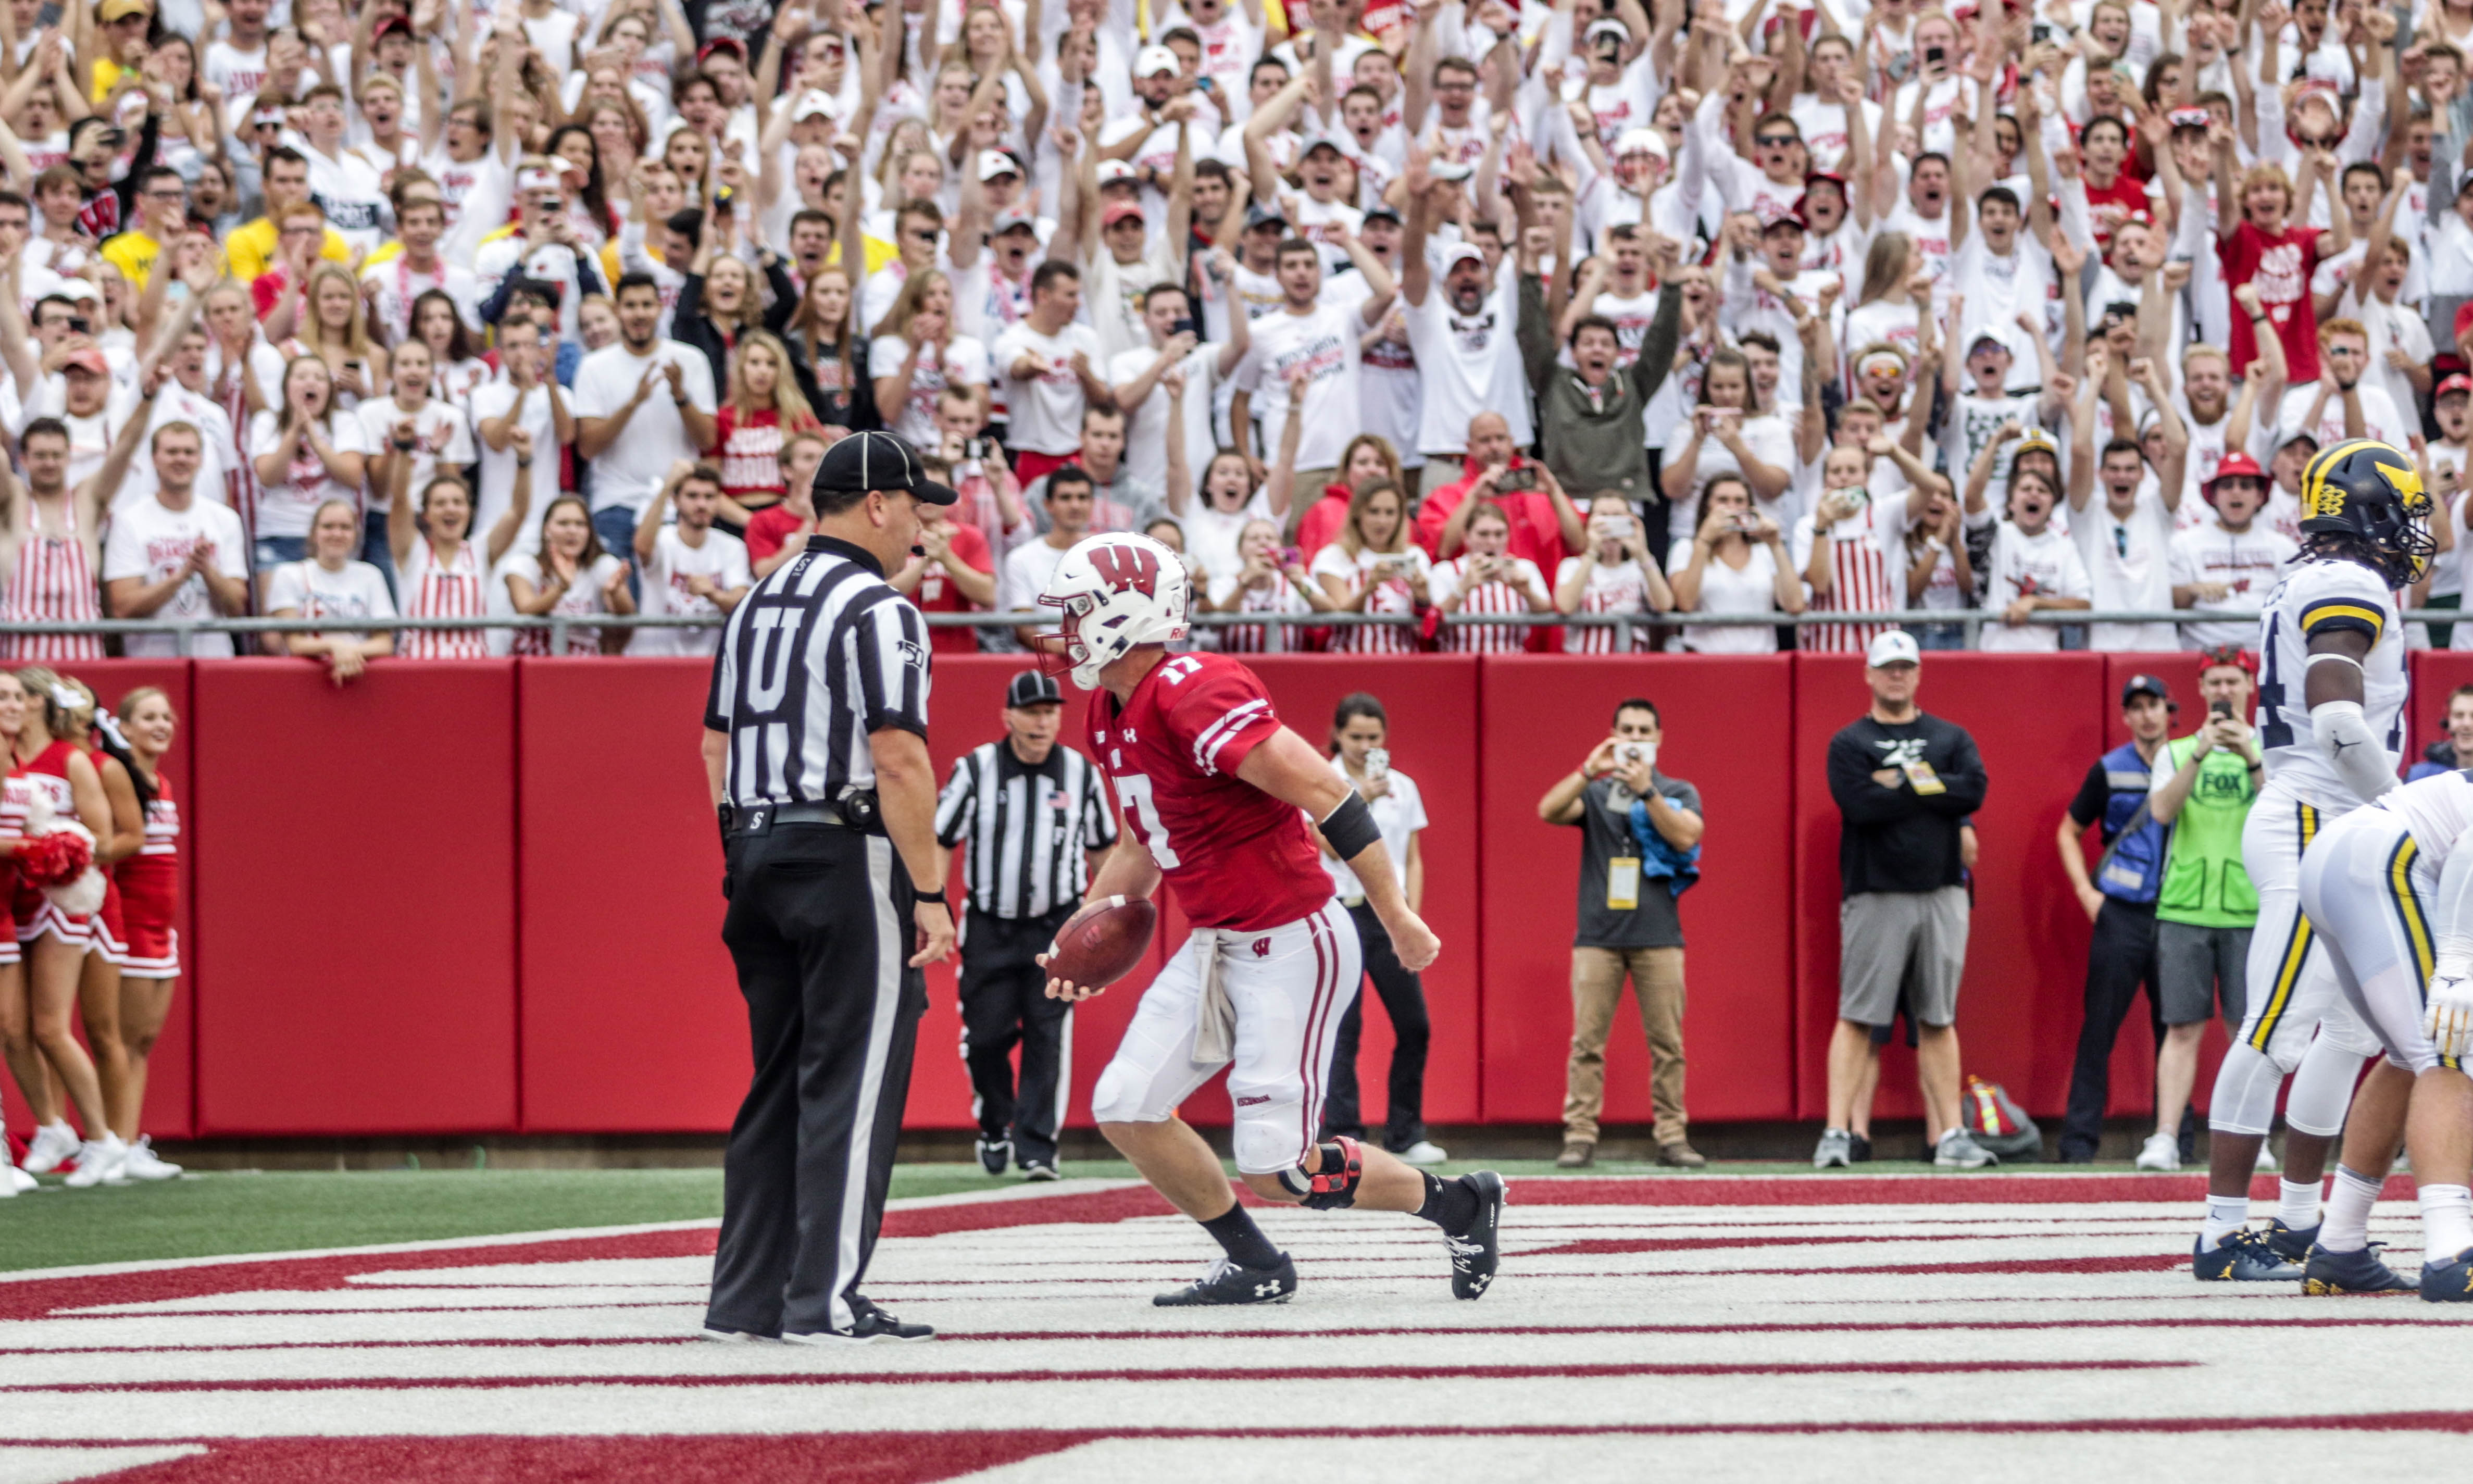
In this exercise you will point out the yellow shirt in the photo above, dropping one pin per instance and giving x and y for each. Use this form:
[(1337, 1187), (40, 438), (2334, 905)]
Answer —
[(879, 252), (133, 253), (107, 75), (251, 250)]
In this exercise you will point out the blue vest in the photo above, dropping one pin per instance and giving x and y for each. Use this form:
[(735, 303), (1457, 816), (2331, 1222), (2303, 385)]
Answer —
[(2136, 870)]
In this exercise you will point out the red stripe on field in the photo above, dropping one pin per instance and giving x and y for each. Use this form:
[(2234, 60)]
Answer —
[(1578, 1371), (796, 1458)]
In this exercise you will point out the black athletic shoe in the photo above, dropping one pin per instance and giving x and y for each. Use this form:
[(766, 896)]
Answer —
[(1225, 1282), (1858, 1149), (2448, 1281), (2291, 1243), (872, 1326), (2243, 1257), (1039, 1169), (995, 1153), (2362, 1271), (1479, 1249)]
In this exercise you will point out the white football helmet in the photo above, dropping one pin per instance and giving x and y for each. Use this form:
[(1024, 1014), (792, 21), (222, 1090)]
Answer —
[(1117, 592)]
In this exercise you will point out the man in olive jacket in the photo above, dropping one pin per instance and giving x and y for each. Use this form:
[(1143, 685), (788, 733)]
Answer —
[(1589, 414)]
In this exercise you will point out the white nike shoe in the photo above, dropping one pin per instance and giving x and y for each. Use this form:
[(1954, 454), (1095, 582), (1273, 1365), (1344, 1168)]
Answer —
[(142, 1163), (1423, 1151), (2162, 1152), (98, 1164), (18, 1181), (53, 1144)]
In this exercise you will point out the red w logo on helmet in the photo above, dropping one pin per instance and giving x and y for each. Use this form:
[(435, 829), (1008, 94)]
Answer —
[(1127, 569)]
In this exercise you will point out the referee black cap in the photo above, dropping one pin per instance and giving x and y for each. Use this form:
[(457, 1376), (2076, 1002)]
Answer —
[(1031, 687), (879, 461)]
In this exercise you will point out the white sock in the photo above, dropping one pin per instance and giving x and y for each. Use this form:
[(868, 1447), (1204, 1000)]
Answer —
[(2226, 1214), (2346, 1227), (2299, 1206), (2446, 1222)]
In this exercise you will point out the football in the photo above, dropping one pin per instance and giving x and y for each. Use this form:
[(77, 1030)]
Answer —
[(1102, 942)]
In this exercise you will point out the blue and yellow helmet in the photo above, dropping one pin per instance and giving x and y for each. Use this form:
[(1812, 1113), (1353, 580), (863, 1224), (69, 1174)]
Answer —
[(2363, 499)]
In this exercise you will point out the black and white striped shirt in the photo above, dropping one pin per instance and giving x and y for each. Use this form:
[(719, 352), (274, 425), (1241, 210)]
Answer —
[(822, 653), (1027, 827)]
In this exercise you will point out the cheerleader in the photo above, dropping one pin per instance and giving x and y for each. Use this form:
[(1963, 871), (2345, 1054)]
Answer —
[(54, 943), (18, 1041), (148, 888), (99, 982), (443, 575)]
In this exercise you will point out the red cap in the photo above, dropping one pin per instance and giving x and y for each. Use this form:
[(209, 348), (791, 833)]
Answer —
[(2234, 463), (1119, 210), (2460, 382), (87, 358)]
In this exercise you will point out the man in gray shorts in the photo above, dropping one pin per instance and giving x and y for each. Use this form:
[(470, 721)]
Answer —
[(1905, 784), (2203, 788)]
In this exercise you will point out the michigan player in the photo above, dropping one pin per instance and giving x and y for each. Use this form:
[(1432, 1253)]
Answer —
[(2330, 716), (2389, 891), (1209, 785)]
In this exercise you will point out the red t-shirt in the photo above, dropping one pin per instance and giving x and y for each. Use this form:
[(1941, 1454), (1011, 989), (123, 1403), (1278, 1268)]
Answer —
[(1237, 857), (1535, 533), (748, 446), (1323, 520), (2124, 199), (768, 529), (2281, 266), (937, 592), (266, 288)]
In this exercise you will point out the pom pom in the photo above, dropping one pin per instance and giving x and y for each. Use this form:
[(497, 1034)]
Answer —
[(81, 896), (55, 859)]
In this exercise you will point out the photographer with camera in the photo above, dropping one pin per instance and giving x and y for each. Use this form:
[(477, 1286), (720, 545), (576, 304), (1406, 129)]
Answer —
[(2203, 788), (1640, 850), (1545, 527)]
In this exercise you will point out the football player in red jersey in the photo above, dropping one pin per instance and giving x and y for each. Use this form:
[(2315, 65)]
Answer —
[(1215, 796)]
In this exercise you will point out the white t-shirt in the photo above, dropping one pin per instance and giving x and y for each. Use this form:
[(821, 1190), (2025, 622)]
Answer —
[(359, 590), (397, 285), (2380, 418), (1146, 430), (628, 471), (284, 508), (1975, 422), (1398, 593), (1467, 364), (1027, 567), (1398, 814), (1047, 407), (475, 194), (439, 435), (498, 476), (177, 403), (1617, 587), (722, 557), (350, 191), (963, 362), (1768, 439), (2129, 565), (2043, 564), (2248, 562), (1324, 341), (580, 601), (151, 542), (1725, 589)]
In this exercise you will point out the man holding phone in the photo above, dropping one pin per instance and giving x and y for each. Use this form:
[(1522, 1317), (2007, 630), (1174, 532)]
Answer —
[(1545, 527), (1175, 342)]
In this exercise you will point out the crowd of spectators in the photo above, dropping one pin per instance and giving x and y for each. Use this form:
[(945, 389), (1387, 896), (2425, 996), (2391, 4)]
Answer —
[(1461, 308)]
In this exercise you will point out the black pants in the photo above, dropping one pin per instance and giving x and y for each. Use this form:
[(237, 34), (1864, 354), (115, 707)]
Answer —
[(1006, 1003), (2121, 957), (820, 926), (1403, 1001)]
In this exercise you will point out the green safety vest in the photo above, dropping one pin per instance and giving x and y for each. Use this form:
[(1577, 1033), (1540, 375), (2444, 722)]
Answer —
[(2205, 883)]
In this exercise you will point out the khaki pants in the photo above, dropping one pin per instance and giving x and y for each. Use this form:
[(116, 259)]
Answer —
[(1596, 987)]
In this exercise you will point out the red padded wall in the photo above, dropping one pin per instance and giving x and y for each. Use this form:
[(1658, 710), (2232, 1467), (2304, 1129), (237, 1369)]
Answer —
[(2038, 723), (631, 1015), (2436, 675), (355, 897), (1728, 722), (170, 1078)]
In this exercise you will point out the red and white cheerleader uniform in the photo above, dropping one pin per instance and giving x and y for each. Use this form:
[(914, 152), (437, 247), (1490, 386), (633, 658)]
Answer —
[(35, 912), (148, 889), (17, 799), (54, 583), (448, 589)]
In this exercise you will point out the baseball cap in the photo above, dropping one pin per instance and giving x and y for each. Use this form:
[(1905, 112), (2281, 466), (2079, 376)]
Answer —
[(1460, 252), (1154, 61), (88, 359), (814, 103), (997, 162), (1119, 210), (2233, 465), (720, 44), (2148, 685), (1895, 647), (1261, 215), (1793, 219), (1982, 340), (1391, 213), (1008, 220), (2460, 382), (1322, 142), (114, 9), (1642, 141), (1609, 27), (1113, 171), (1031, 687), (2191, 118), (879, 461), (2035, 440)]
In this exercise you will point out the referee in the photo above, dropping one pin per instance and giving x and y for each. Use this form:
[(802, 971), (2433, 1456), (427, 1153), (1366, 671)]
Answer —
[(815, 745), (1036, 819)]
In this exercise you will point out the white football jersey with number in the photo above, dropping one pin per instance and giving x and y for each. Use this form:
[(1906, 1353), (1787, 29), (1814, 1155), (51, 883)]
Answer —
[(2323, 595)]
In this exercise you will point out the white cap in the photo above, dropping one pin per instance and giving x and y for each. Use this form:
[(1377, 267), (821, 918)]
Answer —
[(1608, 26), (1895, 647), (1458, 251), (1154, 61), (997, 162), (1114, 170), (1642, 141), (814, 103)]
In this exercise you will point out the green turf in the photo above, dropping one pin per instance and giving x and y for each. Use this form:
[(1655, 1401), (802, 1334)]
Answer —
[(221, 1213)]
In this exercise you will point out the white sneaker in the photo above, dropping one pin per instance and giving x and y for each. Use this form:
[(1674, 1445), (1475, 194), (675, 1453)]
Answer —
[(2267, 1158), (142, 1163), (19, 1182), (99, 1162), (53, 1144), (1423, 1151), (2162, 1152)]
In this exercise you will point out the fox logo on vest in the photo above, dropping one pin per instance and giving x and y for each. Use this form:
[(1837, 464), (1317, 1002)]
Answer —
[(1127, 569)]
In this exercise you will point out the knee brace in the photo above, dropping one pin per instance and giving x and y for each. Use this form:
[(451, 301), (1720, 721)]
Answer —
[(2245, 1095), (1333, 1186)]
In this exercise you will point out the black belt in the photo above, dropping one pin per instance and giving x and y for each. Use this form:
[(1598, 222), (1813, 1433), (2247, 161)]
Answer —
[(757, 818)]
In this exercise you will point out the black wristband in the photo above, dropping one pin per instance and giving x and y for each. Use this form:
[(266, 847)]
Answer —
[(1350, 828)]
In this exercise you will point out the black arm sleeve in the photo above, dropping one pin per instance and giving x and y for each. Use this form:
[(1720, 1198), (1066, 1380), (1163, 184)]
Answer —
[(2095, 790)]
